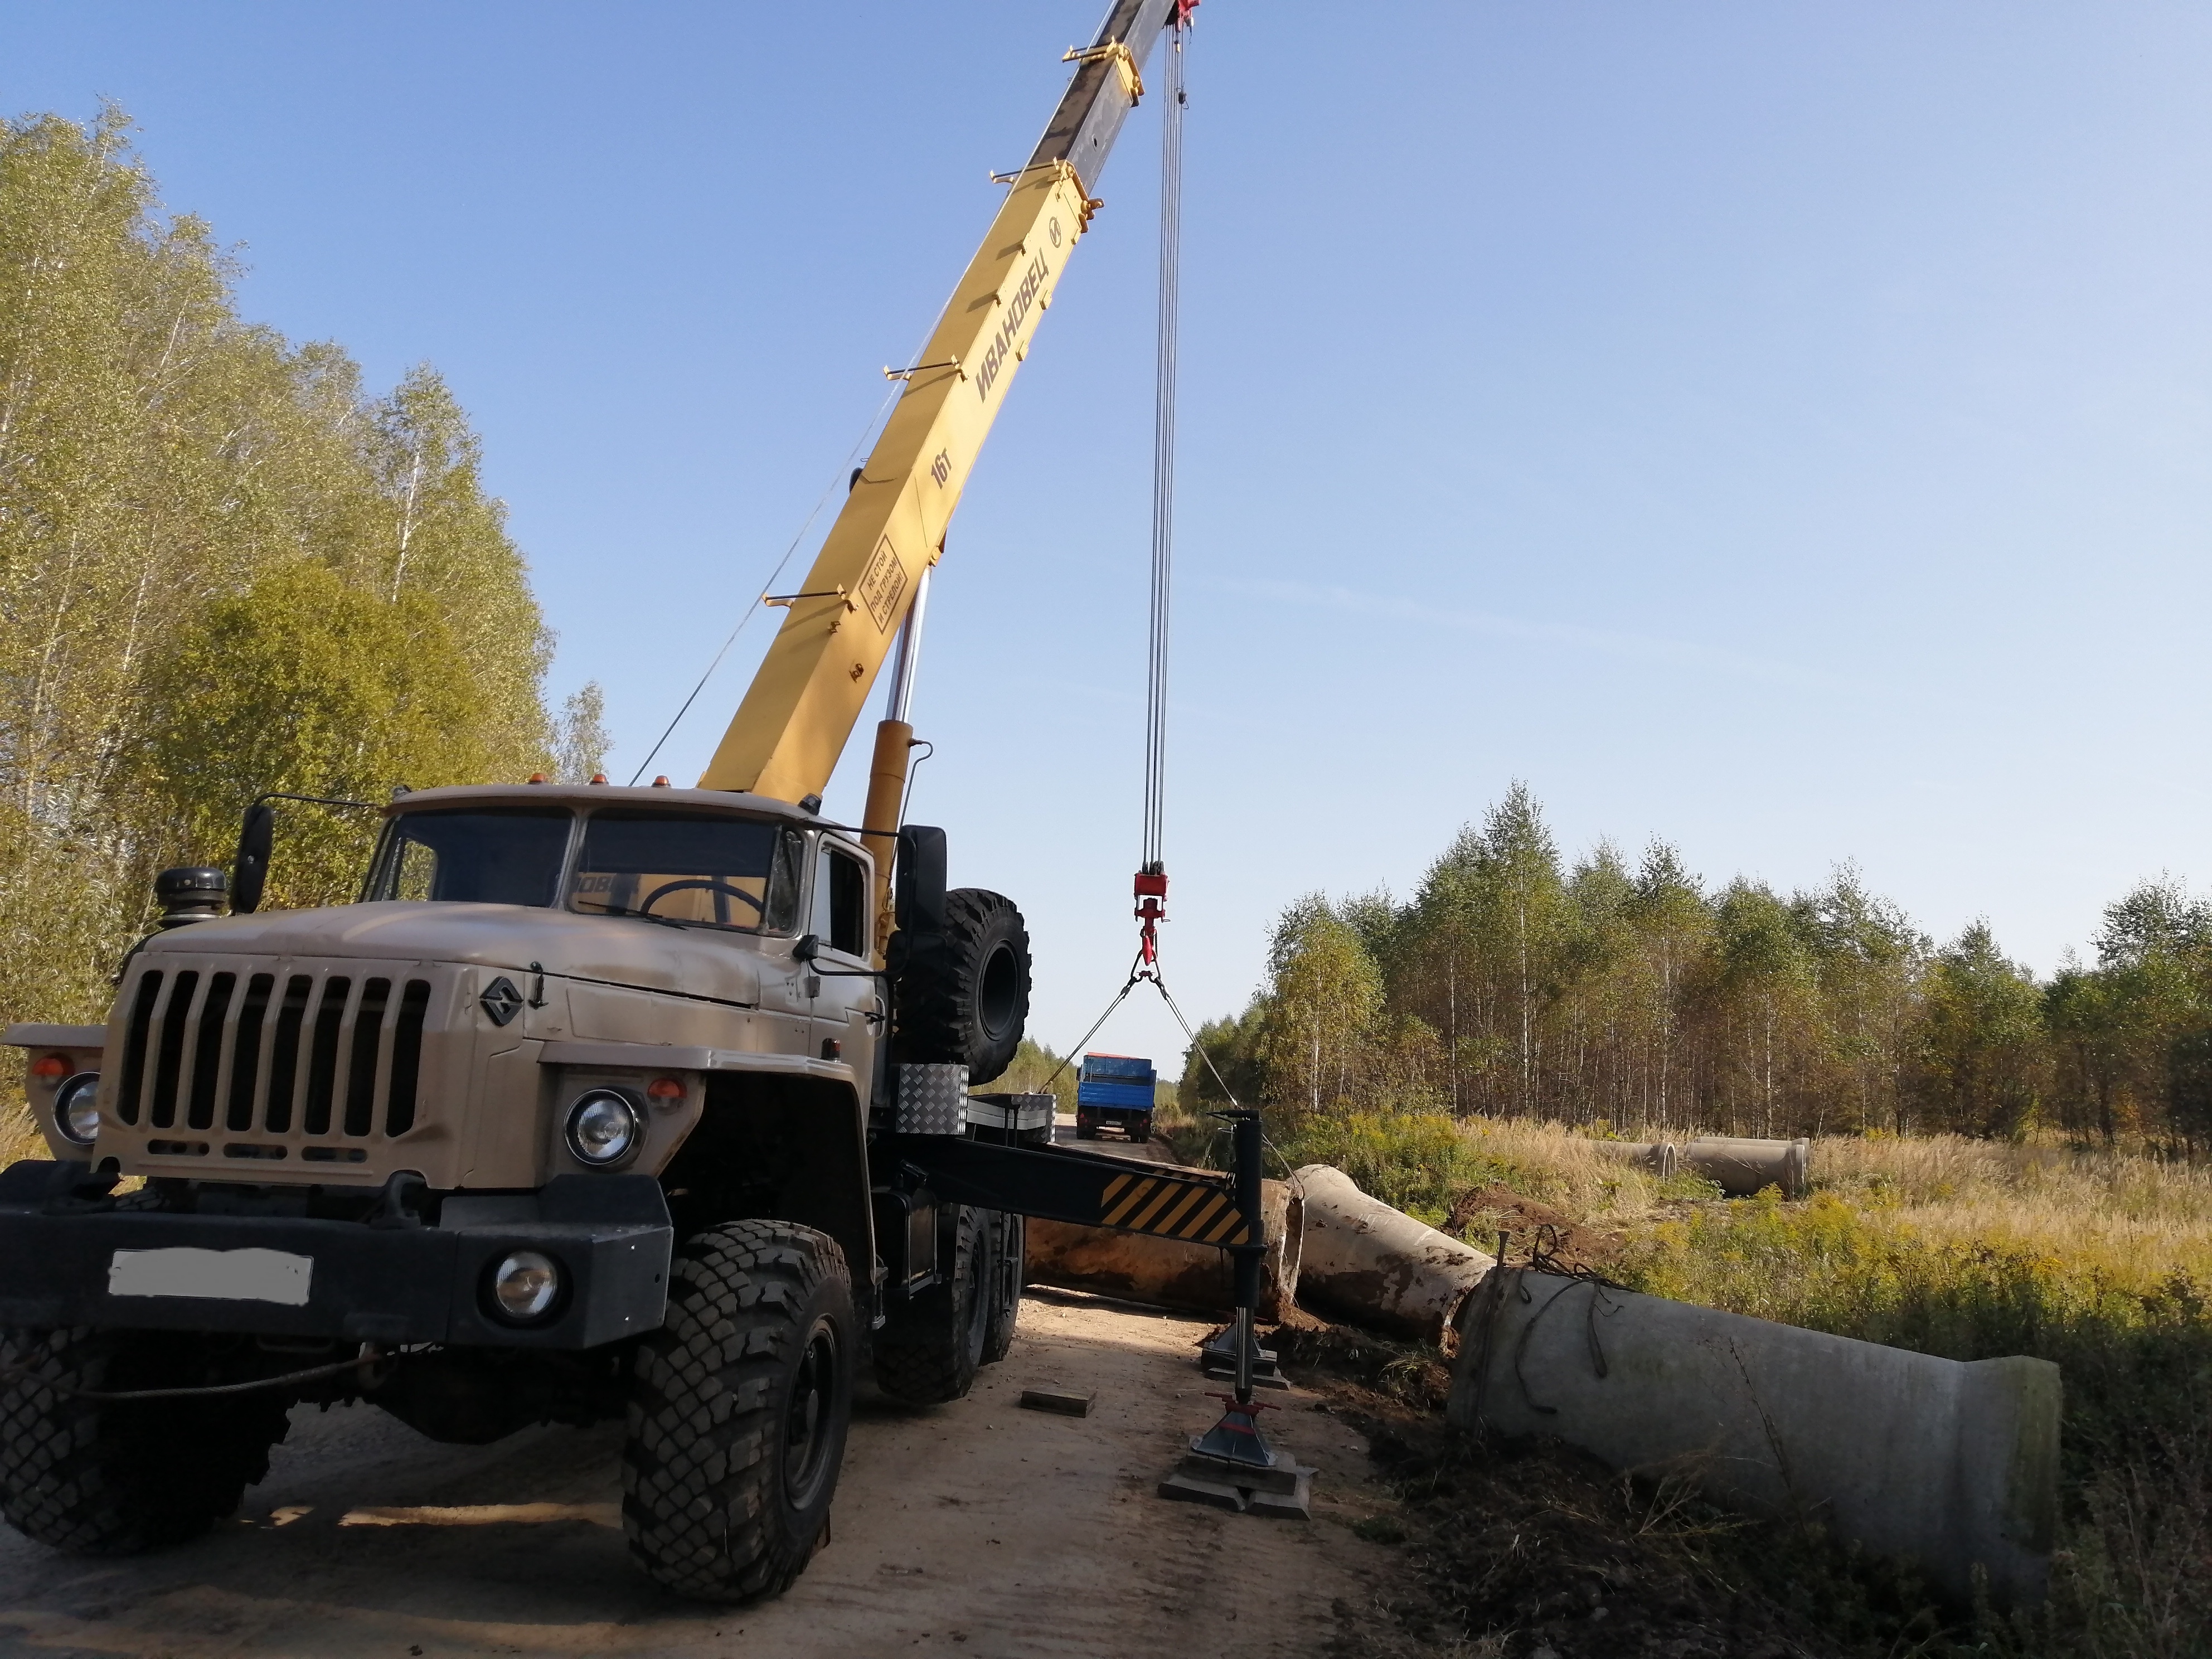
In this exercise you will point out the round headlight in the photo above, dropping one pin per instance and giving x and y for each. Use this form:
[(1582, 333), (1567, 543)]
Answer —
[(524, 1286), (76, 1107), (604, 1127)]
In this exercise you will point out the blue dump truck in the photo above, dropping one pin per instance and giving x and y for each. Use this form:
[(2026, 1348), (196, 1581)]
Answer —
[(1113, 1092)]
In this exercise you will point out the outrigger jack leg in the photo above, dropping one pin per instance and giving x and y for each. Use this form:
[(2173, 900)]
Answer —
[(1231, 1466), (1217, 1357)]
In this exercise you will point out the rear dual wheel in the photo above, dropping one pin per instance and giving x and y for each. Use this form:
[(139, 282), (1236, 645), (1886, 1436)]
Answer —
[(930, 1346), (1009, 1272), (930, 1349)]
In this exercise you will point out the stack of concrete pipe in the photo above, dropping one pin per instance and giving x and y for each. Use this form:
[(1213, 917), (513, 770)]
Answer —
[(1742, 1167)]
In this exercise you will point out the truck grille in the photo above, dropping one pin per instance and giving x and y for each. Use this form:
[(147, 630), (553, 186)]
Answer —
[(305, 1063)]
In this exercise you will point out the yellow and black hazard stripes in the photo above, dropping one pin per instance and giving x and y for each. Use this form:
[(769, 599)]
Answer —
[(1173, 1206), (1059, 1183)]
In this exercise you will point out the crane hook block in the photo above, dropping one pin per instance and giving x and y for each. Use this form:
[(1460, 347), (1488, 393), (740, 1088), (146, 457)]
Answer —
[(1151, 910)]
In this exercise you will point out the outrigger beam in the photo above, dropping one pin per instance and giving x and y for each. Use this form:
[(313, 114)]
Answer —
[(1089, 1189)]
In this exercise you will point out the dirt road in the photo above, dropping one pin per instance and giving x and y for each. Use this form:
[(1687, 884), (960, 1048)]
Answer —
[(975, 1528), (1148, 1152)]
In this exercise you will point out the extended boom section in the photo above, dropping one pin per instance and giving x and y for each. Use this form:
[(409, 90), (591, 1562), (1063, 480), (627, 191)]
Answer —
[(786, 736)]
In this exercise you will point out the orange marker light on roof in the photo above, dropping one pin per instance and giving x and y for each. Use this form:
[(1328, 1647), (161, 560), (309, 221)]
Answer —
[(538, 777), (660, 781), (598, 777), (48, 1067)]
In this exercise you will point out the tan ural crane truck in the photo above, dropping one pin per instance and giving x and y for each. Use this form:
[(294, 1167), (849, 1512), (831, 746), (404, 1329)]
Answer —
[(637, 1102)]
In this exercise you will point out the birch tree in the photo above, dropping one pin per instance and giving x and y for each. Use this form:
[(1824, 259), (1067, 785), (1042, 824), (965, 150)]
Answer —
[(210, 559)]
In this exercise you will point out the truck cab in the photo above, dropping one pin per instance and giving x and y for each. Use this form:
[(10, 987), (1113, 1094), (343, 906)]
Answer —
[(514, 949)]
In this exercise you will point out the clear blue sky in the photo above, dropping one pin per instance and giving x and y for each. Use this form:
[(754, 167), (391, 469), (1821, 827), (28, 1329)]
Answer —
[(1781, 428)]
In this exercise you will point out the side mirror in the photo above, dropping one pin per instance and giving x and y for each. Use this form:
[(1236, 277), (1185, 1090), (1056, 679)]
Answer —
[(250, 874), (920, 879)]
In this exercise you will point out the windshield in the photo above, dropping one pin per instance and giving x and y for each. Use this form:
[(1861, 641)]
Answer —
[(702, 868), (470, 854)]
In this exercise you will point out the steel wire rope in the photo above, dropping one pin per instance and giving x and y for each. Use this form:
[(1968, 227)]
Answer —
[(1163, 451), (1163, 549), (1163, 482)]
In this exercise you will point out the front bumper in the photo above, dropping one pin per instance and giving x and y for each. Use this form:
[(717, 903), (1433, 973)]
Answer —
[(365, 1283)]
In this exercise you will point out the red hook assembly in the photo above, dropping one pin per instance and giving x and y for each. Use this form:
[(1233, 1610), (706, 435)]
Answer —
[(1151, 910)]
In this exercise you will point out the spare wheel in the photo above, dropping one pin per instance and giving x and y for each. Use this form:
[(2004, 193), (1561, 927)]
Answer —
[(964, 997)]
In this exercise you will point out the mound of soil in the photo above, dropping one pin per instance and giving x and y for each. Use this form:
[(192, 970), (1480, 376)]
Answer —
[(1480, 1213)]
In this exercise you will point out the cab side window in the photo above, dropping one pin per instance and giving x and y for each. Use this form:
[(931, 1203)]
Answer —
[(840, 902)]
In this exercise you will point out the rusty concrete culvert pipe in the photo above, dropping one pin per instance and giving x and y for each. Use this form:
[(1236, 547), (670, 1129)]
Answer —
[(1168, 1272), (1372, 1266)]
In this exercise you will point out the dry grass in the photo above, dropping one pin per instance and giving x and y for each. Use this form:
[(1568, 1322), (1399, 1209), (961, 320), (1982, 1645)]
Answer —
[(19, 1133), (2135, 1221), (1589, 1176)]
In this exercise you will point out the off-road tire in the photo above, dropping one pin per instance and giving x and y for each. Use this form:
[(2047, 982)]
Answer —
[(96, 1477), (964, 998), (1009, 1270), (929, 1350), (738, 1412)]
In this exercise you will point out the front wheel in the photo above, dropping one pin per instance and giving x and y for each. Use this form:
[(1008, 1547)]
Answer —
[(738, 1409), (115, 1477)]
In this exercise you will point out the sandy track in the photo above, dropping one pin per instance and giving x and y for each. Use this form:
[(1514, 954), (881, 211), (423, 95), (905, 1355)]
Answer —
[(975, 1528), (1145, 1151)]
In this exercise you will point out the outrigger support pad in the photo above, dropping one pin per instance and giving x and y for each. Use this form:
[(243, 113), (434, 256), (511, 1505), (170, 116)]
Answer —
[(1232, 1466), (1236, 1439)]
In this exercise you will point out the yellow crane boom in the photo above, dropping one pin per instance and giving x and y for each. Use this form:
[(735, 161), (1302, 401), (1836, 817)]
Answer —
[(800, 711)]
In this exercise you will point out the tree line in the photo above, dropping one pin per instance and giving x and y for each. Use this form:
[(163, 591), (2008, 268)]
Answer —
[(226, 568), (1514, 984)]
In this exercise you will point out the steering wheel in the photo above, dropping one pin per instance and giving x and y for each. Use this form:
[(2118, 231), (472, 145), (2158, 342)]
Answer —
[(645, 905)]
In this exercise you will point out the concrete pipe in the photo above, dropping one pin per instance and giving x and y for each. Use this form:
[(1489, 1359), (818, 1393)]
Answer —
[(1168, 1272), (1949, 1466), (1744, 1167), (1659, 1156), (1373, 1266)]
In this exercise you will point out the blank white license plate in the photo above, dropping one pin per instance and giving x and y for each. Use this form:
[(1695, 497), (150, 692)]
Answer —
[(253, 1275)]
